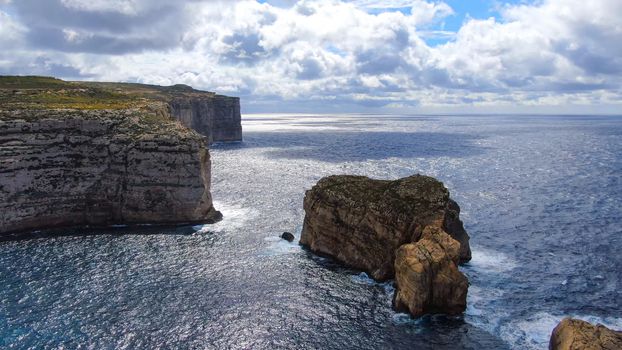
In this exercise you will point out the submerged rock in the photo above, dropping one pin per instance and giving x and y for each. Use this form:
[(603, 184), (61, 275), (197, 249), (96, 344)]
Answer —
[(572, 334), (288, 236), (361, 222), (427, 277)]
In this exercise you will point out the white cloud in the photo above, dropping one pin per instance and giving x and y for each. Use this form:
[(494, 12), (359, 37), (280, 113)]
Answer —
[(561, 45), (423, 12), (550, 53), (11, 31)]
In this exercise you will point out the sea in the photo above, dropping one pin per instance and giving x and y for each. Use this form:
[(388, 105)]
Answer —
[(541, 198)]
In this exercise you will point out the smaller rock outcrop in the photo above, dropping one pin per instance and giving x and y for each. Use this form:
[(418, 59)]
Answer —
[(288, 236), (572, 334), (427, 277)]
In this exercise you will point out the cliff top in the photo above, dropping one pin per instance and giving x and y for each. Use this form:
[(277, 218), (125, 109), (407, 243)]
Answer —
[(402, 196), (47, 93), (138, 109)]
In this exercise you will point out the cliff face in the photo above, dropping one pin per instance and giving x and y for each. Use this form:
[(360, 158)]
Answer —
[(96, 168), (427, 278), (86, 156), (217, 117)]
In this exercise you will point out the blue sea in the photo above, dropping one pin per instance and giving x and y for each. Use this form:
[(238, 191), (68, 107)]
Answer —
[(541, 198)]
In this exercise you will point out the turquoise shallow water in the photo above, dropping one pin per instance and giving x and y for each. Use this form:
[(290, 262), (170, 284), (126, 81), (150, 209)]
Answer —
[(540, 197)]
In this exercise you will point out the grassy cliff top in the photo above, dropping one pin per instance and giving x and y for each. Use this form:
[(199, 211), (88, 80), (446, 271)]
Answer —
[(137, 110), (46, 93), (419, 194)]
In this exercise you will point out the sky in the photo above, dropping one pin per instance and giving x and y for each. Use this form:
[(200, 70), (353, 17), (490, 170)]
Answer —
[(335, 56)]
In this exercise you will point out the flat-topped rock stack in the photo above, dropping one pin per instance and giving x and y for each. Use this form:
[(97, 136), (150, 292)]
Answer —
[(408, 229)]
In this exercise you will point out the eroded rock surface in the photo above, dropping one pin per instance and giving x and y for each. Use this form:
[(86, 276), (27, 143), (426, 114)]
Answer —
[(572, 334), (427, 277), (361, 222)]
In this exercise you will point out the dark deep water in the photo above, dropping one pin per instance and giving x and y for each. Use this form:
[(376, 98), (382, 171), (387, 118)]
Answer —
[(541, 199)]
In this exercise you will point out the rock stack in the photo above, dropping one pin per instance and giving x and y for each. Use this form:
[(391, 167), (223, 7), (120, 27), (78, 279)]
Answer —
[(408, 229)]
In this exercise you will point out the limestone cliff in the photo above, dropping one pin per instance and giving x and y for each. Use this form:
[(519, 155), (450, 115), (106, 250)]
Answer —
[(217, 117), (79, 154), (214, 116)]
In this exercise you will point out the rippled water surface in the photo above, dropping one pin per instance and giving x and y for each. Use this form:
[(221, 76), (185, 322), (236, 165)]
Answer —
[(541, 199)]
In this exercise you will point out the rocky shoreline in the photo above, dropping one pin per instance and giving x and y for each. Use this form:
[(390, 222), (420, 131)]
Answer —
[(102, 154)]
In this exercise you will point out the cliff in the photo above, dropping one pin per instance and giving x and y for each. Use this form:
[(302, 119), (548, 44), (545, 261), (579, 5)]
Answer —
[(97, 154), (214, 116), (217, 117)]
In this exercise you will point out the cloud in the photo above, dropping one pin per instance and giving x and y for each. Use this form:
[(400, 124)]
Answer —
[(560, 44), (11, 31), (108, 27), (370, 53)]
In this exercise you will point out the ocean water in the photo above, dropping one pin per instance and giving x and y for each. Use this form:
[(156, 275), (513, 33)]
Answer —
[(541, 198)]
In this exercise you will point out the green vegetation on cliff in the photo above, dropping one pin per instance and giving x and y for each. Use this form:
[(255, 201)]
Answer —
[(138, 109), (38, 93)]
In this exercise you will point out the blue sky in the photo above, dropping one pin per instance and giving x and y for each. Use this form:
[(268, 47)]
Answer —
[(464, 9), (389, 56)]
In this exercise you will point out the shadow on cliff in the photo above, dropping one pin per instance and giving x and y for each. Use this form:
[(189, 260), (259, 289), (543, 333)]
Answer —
[(342, 146), (175, 230)]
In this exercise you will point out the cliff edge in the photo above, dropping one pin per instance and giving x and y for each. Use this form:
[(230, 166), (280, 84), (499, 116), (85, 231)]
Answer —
[(75, 154)]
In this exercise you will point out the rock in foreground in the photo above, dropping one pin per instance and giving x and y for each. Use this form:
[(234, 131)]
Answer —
[(361, 222), (573, 334), (427, 277), (408, 229)]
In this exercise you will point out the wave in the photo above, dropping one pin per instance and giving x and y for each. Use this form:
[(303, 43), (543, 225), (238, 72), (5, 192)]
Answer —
[(487, 261), (234, 217)]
